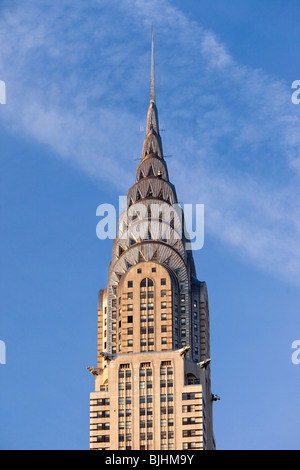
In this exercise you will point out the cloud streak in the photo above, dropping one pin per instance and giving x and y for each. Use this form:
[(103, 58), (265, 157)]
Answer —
[(79, 83)]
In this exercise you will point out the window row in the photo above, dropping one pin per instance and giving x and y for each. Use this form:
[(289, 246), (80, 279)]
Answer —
[(147, 282), (102, 401)]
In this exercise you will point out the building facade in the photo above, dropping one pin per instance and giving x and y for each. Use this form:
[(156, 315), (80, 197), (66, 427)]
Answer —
[(152, 380)]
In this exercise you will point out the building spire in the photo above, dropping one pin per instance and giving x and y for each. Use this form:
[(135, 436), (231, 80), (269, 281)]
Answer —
[(152, 79), (152, 142)]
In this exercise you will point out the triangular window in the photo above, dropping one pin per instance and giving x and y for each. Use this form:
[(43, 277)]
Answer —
[(150, 192), (128, 265), (149, 237), (150, 172), (155, 256)]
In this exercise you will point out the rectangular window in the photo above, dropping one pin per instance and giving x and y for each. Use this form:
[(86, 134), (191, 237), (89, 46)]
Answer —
[(129, 295), (164, 340), (102, 438), (130, 284), (163, 304), (130, 319), (163, 316), (163, 293), (163, 281)]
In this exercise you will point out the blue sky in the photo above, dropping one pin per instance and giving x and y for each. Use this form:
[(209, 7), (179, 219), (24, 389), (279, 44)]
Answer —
[(77, 81)]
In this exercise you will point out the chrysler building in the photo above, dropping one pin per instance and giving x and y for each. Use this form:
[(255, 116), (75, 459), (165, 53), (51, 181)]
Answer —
[(153, 375)]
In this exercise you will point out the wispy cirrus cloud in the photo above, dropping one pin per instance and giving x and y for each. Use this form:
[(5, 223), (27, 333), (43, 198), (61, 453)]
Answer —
[(78, 82)]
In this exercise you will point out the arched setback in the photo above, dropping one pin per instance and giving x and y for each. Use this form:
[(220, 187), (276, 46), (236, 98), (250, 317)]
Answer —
[(145, 313)]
